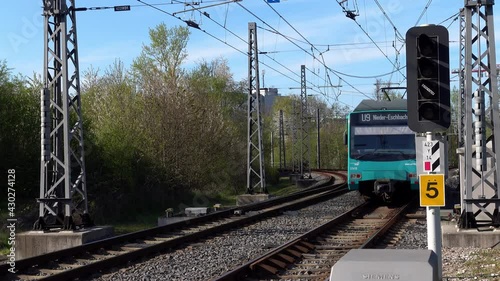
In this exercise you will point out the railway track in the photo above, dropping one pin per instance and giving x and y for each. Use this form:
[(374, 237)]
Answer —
[(396, 234), (102, 255), (311, 255)]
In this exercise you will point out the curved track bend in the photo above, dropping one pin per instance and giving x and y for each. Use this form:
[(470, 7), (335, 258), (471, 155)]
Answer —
[(77, 262)]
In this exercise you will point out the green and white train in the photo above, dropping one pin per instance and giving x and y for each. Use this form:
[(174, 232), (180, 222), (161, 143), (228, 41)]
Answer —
[(381, 150)]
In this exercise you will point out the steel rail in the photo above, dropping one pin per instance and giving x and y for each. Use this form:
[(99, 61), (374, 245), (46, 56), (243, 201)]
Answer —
[(282, 257), (124, 238), (272, 207)]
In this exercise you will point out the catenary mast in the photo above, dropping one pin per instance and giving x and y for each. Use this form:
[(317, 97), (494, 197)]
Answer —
[(479, 117), (63, 191), (255, 164)]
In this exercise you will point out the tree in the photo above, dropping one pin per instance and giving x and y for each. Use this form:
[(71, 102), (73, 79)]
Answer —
[(385, 94), (158, 68), (158, 75), (20, 132), (216, 118), (188, 123), (117, 169), (332, 127), (453, 130)]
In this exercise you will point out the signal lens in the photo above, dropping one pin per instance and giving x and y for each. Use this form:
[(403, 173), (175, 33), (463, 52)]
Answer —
[(429, 111)]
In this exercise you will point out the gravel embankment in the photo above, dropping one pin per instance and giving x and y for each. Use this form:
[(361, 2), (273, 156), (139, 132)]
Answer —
[(458, 263), (215, 256)]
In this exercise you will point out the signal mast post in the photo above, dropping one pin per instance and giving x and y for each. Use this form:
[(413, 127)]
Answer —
[(427, 61), (433, 216)]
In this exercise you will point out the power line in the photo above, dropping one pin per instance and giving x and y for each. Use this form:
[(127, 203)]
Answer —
[(307, 52), (305, 39), (264, 53), (145, 5), (199, 8), (423, 12), (281, 17), (243, 40), (253, 14), (322, 45), (366, 77), (371, 39), (342, 44), (455, 16), (378, 47), (279, 33), (398, 35), (195, 25)]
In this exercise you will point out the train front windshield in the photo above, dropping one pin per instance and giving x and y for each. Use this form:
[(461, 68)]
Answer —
[(381, 137)]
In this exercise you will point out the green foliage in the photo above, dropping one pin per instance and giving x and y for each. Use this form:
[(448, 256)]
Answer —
[(332, 127), (20, 131), (285, 187), (160, 132), (452, 132), (118, 169), (217, 117), (155, 134), (158, 68), (272, 176), (4, 246), (385, 94)]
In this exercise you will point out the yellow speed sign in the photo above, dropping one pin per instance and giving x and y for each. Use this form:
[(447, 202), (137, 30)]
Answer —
[(431, 190)]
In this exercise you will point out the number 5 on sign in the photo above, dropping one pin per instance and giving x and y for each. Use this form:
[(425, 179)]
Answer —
[(431, 190)]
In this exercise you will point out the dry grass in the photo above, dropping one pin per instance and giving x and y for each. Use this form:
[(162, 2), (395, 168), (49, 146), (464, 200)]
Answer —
[(471, 264)]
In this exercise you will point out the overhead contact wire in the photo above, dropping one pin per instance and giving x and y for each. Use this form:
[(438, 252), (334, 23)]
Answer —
[(307, 52), (218, 39)]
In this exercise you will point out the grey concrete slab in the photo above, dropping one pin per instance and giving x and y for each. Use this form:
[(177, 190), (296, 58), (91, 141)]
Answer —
[(453, 236), (34, 243), (245, 199)]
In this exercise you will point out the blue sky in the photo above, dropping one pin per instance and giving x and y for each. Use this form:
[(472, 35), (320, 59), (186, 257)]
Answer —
[(105, 35)]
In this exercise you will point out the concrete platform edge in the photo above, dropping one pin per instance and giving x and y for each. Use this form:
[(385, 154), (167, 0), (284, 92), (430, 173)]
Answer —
[(34, 243), (454, 237)]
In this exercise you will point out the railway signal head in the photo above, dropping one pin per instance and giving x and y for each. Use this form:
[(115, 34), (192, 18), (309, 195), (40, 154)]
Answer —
[(428, 75)]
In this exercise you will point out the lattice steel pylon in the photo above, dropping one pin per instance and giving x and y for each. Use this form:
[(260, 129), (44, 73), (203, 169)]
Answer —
[(462, 98), (255, 165), (63, 192), (480, 171), (305, 159)]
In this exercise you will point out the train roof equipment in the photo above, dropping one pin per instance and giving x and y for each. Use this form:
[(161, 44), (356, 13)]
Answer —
[(367, 105)]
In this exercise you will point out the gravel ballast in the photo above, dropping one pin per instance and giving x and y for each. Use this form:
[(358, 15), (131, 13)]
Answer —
[(215, 256)]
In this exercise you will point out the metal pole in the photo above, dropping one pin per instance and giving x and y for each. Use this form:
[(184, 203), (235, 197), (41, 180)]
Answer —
[(305, 158), (272, 149), (282, 143), (434, 242), (318, 140)]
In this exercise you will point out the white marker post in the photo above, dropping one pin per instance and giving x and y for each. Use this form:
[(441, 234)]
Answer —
[(434, 242)]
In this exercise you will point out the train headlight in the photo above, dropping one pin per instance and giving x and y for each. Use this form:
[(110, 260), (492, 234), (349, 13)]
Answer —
[(413, 177), (355, 176)]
